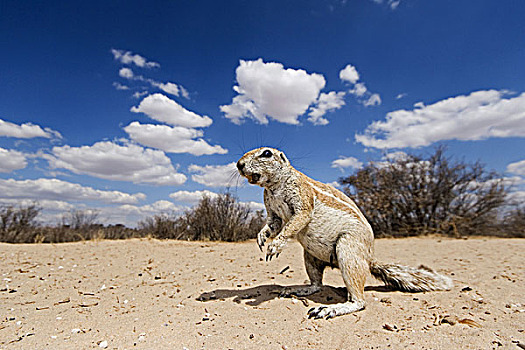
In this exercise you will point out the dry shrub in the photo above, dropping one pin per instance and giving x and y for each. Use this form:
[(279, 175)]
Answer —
[(220, 218), (411, 196), (514, 223), (17, 225)]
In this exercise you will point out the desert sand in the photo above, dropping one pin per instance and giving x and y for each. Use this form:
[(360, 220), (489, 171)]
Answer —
[(150, 294)]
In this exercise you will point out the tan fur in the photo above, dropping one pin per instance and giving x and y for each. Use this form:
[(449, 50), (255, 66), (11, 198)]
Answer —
[(330, 227)]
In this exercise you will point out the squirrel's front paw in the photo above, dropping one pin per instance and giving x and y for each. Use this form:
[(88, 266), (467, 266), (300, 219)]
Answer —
[(275, 248)]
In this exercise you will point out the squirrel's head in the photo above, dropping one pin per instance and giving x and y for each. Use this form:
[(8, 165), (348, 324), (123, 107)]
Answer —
[(263, 166)]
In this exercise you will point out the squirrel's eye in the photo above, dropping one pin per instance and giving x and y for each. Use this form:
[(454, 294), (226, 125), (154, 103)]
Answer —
[(266, 154)]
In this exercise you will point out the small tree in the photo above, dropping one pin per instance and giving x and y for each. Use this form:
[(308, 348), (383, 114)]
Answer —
[(80, 220), (18, 225), (410, 195), (220, 218), (162, 226)]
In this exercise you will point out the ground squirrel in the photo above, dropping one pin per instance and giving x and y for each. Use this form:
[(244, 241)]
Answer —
[(331, 229)]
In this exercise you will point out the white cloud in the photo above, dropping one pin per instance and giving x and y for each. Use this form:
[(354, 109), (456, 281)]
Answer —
[(26, 131), (325, 102), (517, 197), (214, 175), (478, 116), (349, 74), (163, 109), (139, 94), (157, 207), (119, 86), (396, 156), (359, 90), (393, 4), (373, 100), (130, 215), (194, 197), (127, 57), (11, 160), (111, 161), (401, 95), (169, 88), (517, 168), (347, 162), (184, 92), (269, 90), (255, 205), (58, 190), (191, 197), (45, 204), (175, 139), (126, 73)]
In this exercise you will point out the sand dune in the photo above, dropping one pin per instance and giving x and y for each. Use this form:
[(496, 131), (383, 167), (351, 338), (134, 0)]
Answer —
[(149, 294)]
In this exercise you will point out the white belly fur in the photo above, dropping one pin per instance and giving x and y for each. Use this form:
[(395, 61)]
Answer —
[(326, 226)]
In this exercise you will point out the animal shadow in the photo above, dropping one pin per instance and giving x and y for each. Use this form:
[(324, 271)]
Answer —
[(255, 296)]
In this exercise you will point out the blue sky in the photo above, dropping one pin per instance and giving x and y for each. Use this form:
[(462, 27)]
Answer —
[(134, 108)]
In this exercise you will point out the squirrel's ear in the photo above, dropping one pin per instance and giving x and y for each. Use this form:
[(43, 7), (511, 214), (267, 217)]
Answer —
[(283, 157)]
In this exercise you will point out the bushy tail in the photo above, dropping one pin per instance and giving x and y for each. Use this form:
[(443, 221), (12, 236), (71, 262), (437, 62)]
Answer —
[(410, 279)]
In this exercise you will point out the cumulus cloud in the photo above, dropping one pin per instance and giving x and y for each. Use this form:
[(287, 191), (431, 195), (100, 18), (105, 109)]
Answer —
[(268, 90), (58, 190), (255, 205), (11, 160), (161, 108), (175, 139), (347, 162), (349, 74), (108, 160), (26, 131), (477, 116), (359, 90), (157, 207), (214, 175), (139, 94), (130, 215), (127, 57), (126, 73), (517, 168), (373, 100), (325, 103), (191, 197), (168, 87), (45, 204)]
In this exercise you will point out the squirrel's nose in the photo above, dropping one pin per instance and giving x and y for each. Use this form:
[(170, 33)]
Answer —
[(240, 165)]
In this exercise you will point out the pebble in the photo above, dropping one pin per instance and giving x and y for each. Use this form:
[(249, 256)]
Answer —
[(103, 344)]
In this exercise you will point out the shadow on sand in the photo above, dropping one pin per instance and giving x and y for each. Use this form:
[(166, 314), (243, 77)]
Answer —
[(255, 296)]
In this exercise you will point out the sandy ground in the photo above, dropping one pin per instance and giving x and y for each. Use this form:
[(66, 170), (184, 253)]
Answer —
[(149, 294)]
